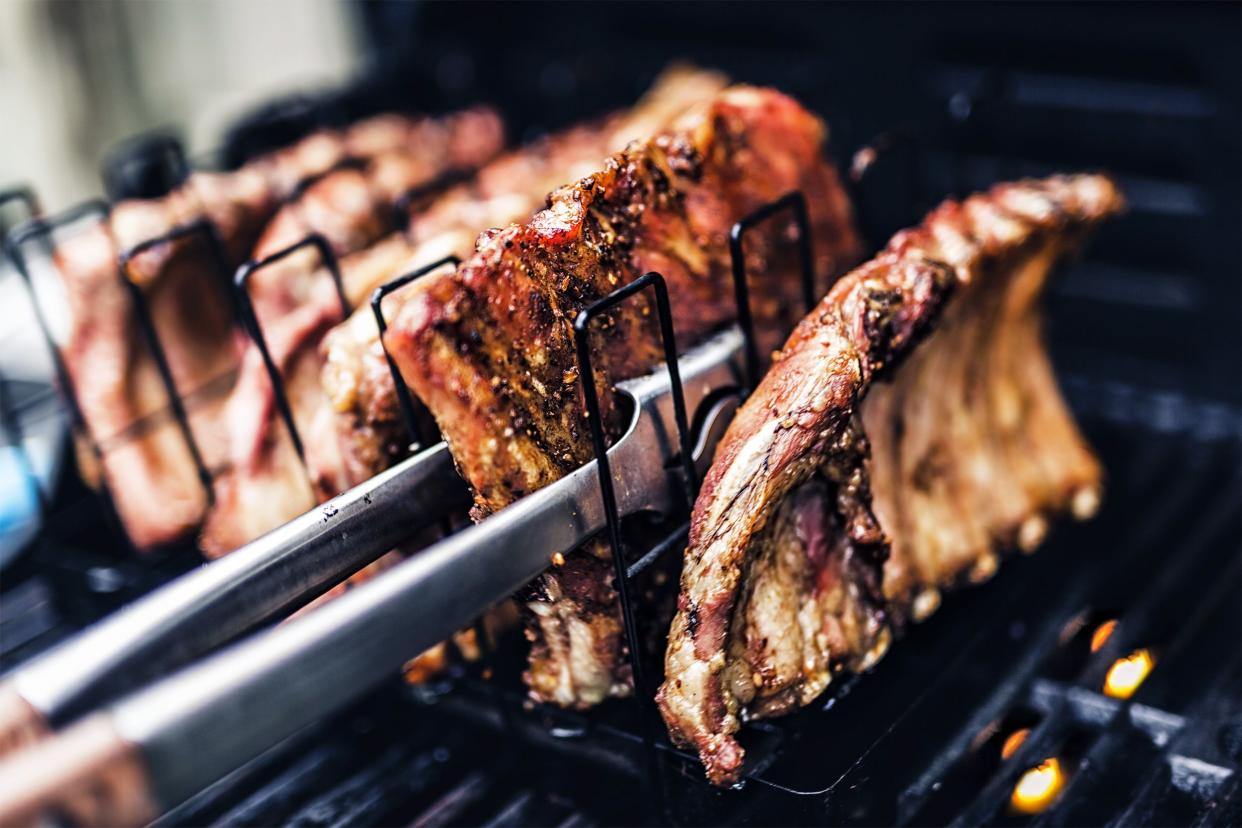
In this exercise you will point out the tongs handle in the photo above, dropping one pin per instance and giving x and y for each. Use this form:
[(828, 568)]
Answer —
[(223, 705)]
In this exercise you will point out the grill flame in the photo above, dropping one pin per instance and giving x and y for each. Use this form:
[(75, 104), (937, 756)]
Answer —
[(1014, 741), (1038, 787), (1101, 635), (1127, 674)]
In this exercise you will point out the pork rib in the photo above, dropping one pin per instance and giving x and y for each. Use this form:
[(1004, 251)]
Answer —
[(489, 349), (356, 375), (145, 460), (350, 424), (864, 474), (263, 483)]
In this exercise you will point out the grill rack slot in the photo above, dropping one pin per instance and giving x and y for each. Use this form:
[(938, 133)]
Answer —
[(43, 229), (242, 280), (408, 407), (161, 146), (624, 571), (599, 442), (219, 259)]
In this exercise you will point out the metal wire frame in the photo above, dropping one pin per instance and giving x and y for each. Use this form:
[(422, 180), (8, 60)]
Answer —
[(305, 183), (395, 212), (23, 194), (794, 202), (42, 228), (390, 212), (409, 412), (403, 203), (624, 572), (599, 442), (200, 227), (251, 320), (100, 210), (306, 113)]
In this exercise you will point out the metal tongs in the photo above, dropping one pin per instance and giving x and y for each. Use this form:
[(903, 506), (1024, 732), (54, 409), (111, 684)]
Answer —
[(157, 746)]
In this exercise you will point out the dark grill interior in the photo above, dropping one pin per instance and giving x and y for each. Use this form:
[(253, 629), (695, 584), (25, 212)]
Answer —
[(1145, 331)]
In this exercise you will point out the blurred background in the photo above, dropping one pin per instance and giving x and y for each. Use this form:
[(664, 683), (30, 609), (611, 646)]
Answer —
[(77, 76)]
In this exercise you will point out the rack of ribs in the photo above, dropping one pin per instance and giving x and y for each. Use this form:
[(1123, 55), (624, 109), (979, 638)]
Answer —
[(145, 460), (490, 350), (148, 465), (356, 375), (349, 415), (909, 431), (336, 378)]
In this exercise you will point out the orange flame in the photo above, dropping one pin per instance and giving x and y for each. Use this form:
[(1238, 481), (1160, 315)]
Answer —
[(1127, 674), (1038, 787), (1014, 741), (1101, 635)]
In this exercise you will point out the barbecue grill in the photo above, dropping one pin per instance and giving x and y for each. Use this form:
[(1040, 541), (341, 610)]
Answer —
[(1024, 701)]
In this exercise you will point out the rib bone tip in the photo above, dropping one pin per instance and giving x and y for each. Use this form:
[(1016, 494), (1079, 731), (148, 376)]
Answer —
[(1032, 533), (1085, 502), (925, 603), (984, 568)]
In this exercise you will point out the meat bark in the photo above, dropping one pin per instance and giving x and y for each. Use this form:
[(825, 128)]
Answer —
[(512, 187), (490, 348), (913, 420), (338, 384)]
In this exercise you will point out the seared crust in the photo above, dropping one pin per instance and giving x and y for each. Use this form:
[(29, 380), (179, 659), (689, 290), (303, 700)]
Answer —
[(508, 189), (490, 348), (799, 423), (968, 441)]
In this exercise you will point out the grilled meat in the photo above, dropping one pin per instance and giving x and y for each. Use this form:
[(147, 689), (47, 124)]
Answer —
[(577, 656), (146, 461), (984, 460), (352, 207), (489, 349), (510, 188), (265, 484), (858, 479)]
